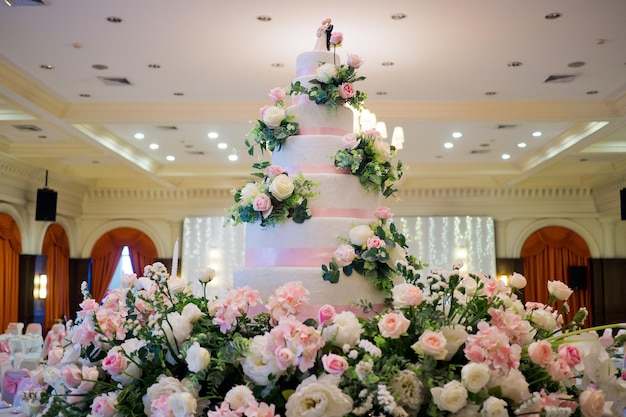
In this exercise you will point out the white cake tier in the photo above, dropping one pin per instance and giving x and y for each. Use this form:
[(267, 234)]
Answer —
[(307, 62), (348, 290), (341, 195), (314, 119), (308, 153)]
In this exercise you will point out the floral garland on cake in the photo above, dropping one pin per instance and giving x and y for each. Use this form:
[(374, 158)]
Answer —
[(333, 85), (451, 343), (271, 131), (368, 156), (376, 251), (275, 198)]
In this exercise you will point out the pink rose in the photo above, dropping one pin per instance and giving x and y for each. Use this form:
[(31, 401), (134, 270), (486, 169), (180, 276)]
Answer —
[(55, 355), (346, 90), (559, 370), (393, 325), (349, 141), (104, 405), (540, 352), (344, 255), (274, 171), (559, 290), (261, 203), (71, 376), (115, 363), (336, 38), (326, 314), (334, 364), (375, 242), (432, 344), (355, 61), (570, 354), (277, 94), (285, 358), (383, 213), (263, 109), (407, 295), (592, 403), (89, 376)]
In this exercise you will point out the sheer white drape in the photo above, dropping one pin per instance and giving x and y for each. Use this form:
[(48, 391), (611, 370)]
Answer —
[(438, 241)]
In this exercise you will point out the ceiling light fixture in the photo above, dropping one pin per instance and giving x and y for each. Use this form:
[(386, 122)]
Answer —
[(387, 64), (490, 93), (397, 137), (457, 135), (506, 156), (381, 93), (179, 94), (263, 18), (277, 65), (448, 145), (139, 136), (552, 16), (521, 145), (233, 157), (46, 66), (114, 19), (84, 95), (154, 66), (381, 127), (537, 134), (170, 158), (213, 135), (576, 64), (514, 64), (100, 67), (398, 16), (222, 145), (154, 146), (592, 92)]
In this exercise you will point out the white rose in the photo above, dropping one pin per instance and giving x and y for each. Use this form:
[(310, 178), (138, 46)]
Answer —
[(239, 396), (513, 385), (128, 280), (359, 234), (408, 388), (192, 312), (52, 377), (383, 149), (130, 374), (272, 116), (281, 187), (177, 328), (206, 275), (494, 407), (182, 404), (248, 192), (177, 285), (455, 338), (318, 397), (517, 280), (470, 285), (543, 319), (470, 410), (345, 329), (198, 358), (397, 254), (559, 290), (451, 397), (326, 72), (258, 365), (474, 376)]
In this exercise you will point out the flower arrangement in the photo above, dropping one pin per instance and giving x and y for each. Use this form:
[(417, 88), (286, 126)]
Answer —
[(369, 157), (274, 127), (451, 343), (275, 198), (376, 251)]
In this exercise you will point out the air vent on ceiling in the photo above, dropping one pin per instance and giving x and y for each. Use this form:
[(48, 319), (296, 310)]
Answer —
[(115, 80), (27, 128), (560, 78), (167, 127), (479, 151), (195, 152), (505, 126), (27, 2)]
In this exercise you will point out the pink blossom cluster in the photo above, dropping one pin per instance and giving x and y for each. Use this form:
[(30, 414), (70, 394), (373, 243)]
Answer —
[(240, 402), (294, 344), (287, 300), (517, 329), (226, 310), (491, 346)]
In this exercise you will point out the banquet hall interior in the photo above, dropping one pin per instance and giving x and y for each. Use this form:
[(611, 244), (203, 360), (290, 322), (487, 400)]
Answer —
[(122, 128)]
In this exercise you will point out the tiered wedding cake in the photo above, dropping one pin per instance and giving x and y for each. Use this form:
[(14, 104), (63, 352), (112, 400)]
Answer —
[(295, 252)]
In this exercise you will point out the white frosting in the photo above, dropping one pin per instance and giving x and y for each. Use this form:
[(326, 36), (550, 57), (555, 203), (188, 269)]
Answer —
[(308, 150), (310, 115), (306, 62), (343, 192)]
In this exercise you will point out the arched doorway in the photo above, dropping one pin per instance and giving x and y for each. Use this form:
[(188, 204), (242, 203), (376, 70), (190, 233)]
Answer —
[(10, 249), (56, 247), (107, 251), (548, 254)]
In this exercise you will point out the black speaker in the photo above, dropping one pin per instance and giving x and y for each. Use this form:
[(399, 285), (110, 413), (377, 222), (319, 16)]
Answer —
[(577, 277), (622, 202), (46, 209)]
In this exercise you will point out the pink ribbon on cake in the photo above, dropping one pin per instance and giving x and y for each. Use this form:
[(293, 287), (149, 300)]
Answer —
[(315, 169), (321, 131), (286, 257), (306, 71), (341, 212)]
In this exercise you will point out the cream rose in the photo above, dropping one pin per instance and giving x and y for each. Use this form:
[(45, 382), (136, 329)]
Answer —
[(559, 290), (248, 192), (281, 187), (432, 344), (543, 319), (455, 338), (104, 405), (494, 407), (359, 234), (198, 358), (344, 255), (326, 72), (517, 280), (406, 295), (273, 116), (393, 325), (239, 396), (319, 397), (177, 328), (344, 330), (513, 385), (592, 403), (182, 404), (540, 352), (475, 376), (451, 397), (409, 389), (383, 149), (206, 275)]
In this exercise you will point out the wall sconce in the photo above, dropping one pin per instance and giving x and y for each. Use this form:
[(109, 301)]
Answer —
[(40, 287), (504, 278), (397, 137)]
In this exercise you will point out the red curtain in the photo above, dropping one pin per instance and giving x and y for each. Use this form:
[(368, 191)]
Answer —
[(106, 255), (57, 247), (10, 249), (547, 254)]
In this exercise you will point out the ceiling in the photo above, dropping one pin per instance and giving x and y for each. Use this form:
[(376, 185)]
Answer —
[(194, 67)]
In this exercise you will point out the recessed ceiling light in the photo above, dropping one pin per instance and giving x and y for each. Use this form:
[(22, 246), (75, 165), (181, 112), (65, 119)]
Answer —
[(448, 145), (139, 136), (381, 93), (95, 162), (537, 134), (233, 157), (170, 157), (77, 45), (42, 137), (387, 64), (490, 93), (592, 92), (277, 65), (154, 66), (398, 16), (114, 19), (100, 67), (583, 159), (506, 156), (213, 135), (521, 145), (154, 146), (46, 66), (222, 145), (179, 94), (514, 64), (457, 135), (263, 18), (84, 95), (552, 16), (576, 64)]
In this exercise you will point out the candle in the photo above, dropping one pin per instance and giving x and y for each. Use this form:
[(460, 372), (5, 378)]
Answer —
[(174, 260)]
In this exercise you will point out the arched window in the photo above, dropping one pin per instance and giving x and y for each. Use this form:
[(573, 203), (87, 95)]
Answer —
[(124, 266)]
